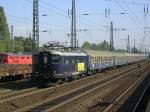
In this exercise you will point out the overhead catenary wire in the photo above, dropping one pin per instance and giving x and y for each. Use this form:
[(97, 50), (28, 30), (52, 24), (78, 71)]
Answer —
[(130, 17), (62, 12), (84, 21), (133, 13), (29, 21), (133, 3)]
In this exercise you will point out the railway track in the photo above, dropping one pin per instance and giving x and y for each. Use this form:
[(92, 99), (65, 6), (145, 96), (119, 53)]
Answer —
[(143, 99), (112, 102), (138, 100), (10, 82), (15, 87), (120, 99), (30, 100), (81, 101), (18, 87)]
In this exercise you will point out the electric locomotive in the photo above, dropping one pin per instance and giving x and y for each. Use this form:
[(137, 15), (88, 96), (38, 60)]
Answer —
[(60, 63)]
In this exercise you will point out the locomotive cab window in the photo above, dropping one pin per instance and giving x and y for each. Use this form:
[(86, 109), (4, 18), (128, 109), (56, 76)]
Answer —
[(73, 61), (45, 59), (55, 60), (66, 61)]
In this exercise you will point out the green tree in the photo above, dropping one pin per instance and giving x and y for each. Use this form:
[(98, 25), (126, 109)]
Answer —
[(19, 44), (22, 44), (105, 46), (121, 50), (100, 46), (4, 32), (86, 45), (27, 45), (94, 47)]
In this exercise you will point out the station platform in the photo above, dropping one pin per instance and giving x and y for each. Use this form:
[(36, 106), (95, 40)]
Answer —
[(148, 107)]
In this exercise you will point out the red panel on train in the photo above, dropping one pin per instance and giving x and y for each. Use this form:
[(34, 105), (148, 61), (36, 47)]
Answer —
[(6, 58)]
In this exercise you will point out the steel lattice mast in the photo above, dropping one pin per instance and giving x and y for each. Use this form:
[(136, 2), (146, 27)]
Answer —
[(36, 24), (12, 39), (111, 38), (128, 44), (73, 25), (35, 38)]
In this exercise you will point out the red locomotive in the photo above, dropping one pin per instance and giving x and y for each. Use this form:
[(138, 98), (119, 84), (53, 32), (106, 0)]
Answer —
[(15, 65)]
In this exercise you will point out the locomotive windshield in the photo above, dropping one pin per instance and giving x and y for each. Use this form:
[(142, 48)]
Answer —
[(55, 59)]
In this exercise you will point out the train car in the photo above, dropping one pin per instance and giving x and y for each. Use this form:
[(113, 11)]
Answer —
[(99, 60), (60, 64), (15, 65)]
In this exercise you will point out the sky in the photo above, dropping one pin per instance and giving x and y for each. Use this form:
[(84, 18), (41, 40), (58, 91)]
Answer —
[(58, 22)]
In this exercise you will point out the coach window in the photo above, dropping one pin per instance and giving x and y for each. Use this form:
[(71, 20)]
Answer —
[(95, 59), (98, 59), (92, 59), (55, 59)]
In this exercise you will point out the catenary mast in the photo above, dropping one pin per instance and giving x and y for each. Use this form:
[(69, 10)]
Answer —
[(73, 25)]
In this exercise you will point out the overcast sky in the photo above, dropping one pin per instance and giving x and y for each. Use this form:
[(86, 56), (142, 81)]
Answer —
[(57, 23)]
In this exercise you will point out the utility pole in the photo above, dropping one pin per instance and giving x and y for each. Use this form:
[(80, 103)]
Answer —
[(128, 44), (12, 38), (73, 25), (111, 37), (35, 38)]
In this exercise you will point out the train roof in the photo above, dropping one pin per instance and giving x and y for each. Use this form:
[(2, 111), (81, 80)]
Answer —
[(69, 53), (107, 53)]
